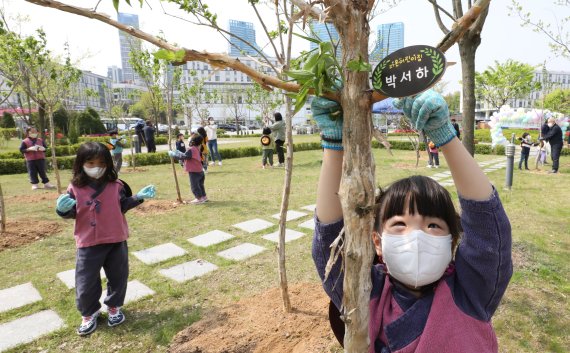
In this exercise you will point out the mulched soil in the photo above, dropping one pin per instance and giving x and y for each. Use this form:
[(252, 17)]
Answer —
[(22, 232)]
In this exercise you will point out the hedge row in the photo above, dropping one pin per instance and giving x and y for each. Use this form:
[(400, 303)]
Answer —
[(8, 133), (17, 165)]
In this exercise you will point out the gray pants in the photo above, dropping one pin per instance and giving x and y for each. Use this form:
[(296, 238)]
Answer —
[(267, 154), (114, 259), (118, 161)]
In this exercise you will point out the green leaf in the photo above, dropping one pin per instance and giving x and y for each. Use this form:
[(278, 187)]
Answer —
[(179, 55), (164, 54), (314, 40), (300, 75), (358, 65)]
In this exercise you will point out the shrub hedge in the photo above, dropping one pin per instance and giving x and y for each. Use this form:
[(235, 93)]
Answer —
[(18, 166)]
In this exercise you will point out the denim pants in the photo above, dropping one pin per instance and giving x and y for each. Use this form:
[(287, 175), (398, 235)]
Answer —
[(114, 259), (524, 157), (267, 154), (213, 147), (35, 167), (435, 158), (117, 161), (197, 184)]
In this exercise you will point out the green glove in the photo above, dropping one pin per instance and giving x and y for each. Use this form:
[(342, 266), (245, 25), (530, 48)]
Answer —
[(328, 116), (428, 112), (65, 203)]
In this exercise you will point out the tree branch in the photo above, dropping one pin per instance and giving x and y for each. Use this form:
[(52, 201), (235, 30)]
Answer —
[(436, 9), (267, 32), (463, 24)]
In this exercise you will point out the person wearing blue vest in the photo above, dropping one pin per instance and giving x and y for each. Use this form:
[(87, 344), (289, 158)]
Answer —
[(98, 201), (118, 144), (430, 291)]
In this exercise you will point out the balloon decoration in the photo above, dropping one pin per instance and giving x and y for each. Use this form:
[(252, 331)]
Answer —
[(508, 117)]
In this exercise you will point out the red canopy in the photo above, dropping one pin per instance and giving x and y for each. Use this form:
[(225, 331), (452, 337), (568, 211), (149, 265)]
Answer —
[(19, 111)]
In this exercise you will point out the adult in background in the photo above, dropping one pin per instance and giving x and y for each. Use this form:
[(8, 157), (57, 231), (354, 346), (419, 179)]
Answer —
[(33, 148), (554, 137), (139, 131), (456, 127), (212, 132), (278, 131), (149, 137)]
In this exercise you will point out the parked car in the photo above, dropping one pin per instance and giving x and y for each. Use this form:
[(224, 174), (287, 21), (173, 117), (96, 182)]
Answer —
[(227, 127)]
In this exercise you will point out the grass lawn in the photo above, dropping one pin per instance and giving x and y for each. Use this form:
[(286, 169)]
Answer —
[(534, 315)]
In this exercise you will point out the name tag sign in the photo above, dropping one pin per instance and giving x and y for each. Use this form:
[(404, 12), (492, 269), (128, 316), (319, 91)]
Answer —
[(408, 71)]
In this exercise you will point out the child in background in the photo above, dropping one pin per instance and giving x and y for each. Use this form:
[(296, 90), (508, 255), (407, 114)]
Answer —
[(117, 151), (98, 201), (204, 148), (180, 145), (33, 148), (267, 147), (193, 165), (434, 154), (430, 292), (542, 153), (526, 144)]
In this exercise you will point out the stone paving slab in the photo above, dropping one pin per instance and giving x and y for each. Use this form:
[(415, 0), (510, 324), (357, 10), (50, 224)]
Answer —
[(440, 175), (254, 225), (310, 224), (241, 252), (28, 328), (289, 235), (291, 215), (159, 253), (18, 296), (210, 238), (188, 270), (68, 277), (135, 291), (446, 183), (310, 207)]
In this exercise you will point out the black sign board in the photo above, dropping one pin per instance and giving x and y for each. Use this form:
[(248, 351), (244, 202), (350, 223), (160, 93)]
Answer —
[(408, 71)]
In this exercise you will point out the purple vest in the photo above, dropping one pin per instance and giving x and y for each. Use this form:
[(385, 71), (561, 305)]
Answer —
[(34, 155), (447, 327), (99, 220), (194, 164)]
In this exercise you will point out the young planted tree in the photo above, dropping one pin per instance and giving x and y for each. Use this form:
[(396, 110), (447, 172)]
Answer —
[(197, 99), (510, 80), (468, 44), (160, 78), (263, 101), (351, 18), (45, 80)]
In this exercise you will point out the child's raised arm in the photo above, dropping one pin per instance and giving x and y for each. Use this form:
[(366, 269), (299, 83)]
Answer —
[(428, 112)]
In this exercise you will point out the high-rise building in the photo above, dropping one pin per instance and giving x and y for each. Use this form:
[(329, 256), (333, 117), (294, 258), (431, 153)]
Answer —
[(325, 32), (243, 46), (390, 38), (128, 42), (115, 74)]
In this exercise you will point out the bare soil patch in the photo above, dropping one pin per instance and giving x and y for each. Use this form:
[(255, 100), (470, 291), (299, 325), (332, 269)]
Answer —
[(259, 325), (129, 170), (156, 207), (22, 232), (34, 196)]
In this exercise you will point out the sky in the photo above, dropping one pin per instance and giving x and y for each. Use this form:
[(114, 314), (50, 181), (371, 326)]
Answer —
[(95, 45)]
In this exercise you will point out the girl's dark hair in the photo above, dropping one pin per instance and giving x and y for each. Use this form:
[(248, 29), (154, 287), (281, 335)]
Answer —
[(89, 151), (29, 128), (525, 134), (277, 116), (196, 139), (424, 196), (202, 132), (266, 131)]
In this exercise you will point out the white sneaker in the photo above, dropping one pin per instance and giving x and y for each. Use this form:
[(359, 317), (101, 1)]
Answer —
[(211, 163), (49, 186), (437, 166), (35, 186), (429, 166), (220, 163)]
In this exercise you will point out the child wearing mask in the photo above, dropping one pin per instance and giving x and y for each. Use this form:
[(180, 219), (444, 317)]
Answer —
[(33, 147), (98, 201), (193, 165), (430, 292)]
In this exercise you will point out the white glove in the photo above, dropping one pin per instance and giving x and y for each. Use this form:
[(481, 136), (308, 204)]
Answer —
[(41, 148)]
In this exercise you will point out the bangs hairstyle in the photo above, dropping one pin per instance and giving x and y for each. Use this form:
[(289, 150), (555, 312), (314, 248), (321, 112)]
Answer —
[(424, 196), (89, 151), (196, 139)]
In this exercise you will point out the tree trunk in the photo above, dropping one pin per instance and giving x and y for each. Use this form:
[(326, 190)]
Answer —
[(2, 212), (357, 183), (52, 145), (285, 206), (41, 118), (172, 163), (467, 49)]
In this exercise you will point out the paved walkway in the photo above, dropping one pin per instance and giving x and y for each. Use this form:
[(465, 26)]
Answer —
[(29, 328)]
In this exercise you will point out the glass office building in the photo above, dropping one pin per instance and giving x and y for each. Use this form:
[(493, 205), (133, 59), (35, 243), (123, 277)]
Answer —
[(245, 31), (390, 38), (127, 42)]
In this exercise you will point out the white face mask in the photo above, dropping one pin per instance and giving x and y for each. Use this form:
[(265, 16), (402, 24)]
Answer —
[(33, 136), (550, 124), (95, 172), (417, 258)]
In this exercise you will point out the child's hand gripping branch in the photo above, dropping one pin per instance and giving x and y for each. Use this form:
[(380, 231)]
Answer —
[(65, 203), (176, 154)]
